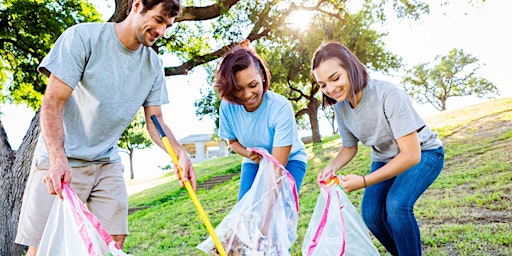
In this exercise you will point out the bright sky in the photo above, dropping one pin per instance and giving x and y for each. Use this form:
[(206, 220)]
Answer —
[(480, 31)]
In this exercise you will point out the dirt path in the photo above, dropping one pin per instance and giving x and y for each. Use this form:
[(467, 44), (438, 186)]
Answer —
[(141, 184)]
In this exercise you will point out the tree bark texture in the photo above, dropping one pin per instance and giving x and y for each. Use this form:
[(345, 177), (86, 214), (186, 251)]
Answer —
[(313, 120), (14, 170), (130, 153)]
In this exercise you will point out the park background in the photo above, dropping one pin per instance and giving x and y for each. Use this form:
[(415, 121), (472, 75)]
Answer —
[(478, 28)]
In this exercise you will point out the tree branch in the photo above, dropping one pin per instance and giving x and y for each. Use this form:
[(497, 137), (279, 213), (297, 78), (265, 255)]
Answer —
[(189, 12), (206, 12), (184, 68), (261, 28)]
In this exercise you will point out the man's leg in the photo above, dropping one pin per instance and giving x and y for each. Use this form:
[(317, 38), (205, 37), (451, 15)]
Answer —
[(35, 208), (109, 200), (119, 239), (32, 251)]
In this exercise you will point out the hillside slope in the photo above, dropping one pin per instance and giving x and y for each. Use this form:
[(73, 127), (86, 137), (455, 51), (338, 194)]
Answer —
[(467, 211)]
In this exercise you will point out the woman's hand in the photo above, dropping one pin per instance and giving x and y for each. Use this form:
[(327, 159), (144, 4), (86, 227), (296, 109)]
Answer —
[(326, 173), (352, 182), (254, 156)]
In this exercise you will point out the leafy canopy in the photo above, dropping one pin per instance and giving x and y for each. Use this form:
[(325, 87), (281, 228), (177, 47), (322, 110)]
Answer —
[(29, 29)]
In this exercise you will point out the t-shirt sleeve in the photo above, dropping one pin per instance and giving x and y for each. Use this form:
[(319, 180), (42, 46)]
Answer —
[(158, 94), (402, 117), (67, 58), (225, 129), (285, 126)]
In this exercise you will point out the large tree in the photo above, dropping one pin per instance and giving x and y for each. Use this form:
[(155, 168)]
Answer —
[(202, 34), (454, 75)]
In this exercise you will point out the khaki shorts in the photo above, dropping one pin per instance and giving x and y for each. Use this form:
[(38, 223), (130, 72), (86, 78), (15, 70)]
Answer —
[(100, 186)]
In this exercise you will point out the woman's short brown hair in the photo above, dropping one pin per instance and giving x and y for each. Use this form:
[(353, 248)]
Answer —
[(237, 59)]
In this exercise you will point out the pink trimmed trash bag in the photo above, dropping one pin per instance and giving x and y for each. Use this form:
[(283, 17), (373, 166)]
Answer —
[(264, 221), (73, 230), (336, 228)]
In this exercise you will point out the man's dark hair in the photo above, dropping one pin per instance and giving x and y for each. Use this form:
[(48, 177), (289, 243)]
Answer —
[(171, 8)]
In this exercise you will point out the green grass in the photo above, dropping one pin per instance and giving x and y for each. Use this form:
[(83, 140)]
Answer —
[(467, 211)]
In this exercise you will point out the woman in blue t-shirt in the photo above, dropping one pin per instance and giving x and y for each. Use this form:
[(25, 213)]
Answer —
[(406, 155), (252, 116)]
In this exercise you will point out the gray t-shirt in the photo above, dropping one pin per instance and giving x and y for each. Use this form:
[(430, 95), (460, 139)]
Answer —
[(384, 115), (110, 83)]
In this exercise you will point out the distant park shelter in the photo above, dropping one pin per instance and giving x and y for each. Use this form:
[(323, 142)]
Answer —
[(201, 147)]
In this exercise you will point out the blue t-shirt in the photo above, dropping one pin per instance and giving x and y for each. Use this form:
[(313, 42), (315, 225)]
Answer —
[(271, 125), (110, 83)]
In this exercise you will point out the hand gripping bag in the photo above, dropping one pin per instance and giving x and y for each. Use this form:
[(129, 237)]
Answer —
[(264, 221), (336, 228), (73, 230)]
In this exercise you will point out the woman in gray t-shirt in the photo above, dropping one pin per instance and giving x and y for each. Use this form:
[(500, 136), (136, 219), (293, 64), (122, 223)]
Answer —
[(406, 155)]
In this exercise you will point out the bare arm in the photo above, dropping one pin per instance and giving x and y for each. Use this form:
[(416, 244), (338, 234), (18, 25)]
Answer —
[(410, 155), (56, 95), (282, 154), (181, 153), (241, 150)]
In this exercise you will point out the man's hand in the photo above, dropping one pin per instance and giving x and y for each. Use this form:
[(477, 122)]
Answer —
[(54, 177), (189, 174)]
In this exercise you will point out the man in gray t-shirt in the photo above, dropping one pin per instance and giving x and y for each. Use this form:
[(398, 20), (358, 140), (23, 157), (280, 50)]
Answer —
[(99, 75)]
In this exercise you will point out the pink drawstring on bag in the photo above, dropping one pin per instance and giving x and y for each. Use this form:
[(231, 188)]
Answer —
[(335, 227), (73, 230)]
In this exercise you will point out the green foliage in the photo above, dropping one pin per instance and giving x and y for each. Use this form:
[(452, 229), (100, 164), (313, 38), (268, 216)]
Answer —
[(465, 212), (29, 29), (135, 136), (453, 75), (288, 52), (209, 103), (291, 50)]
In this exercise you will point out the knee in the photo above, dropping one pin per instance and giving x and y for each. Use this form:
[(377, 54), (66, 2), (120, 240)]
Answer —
[(398, 209), (372, 216)]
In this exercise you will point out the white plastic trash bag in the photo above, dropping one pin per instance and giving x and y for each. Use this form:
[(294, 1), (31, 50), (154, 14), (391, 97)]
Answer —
[(264, 222), (336, 228), (73, 230)]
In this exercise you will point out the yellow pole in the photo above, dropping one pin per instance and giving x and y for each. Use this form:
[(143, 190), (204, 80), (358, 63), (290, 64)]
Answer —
[(189, 188)]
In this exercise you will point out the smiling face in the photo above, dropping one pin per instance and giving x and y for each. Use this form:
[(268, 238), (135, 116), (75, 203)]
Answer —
[(150, 25), (249, 91), (333, 80)]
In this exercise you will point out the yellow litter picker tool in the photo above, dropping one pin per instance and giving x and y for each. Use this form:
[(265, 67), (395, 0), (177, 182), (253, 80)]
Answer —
[(189, 188)]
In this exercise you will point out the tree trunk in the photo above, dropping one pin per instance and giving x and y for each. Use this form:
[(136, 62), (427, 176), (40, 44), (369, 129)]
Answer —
[(313, 106), (130, 153), (14, 170)]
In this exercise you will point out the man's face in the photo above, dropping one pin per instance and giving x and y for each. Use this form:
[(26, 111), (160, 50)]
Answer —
[(151, 25)]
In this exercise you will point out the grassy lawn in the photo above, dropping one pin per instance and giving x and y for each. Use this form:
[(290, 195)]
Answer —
[(467, 211)]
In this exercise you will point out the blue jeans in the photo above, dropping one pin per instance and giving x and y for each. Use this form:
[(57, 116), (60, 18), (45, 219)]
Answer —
[(387, 207), (296, 168)]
